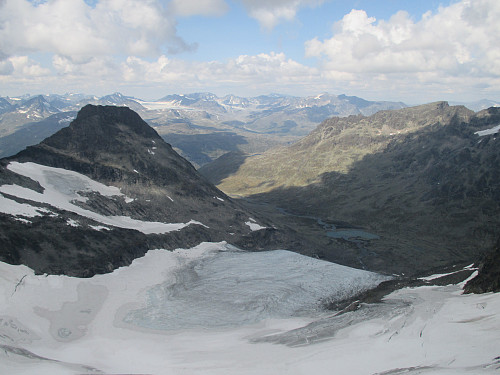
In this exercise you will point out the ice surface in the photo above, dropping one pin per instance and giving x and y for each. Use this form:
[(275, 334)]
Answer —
[(65, 326), (62, 188), (236, 287)]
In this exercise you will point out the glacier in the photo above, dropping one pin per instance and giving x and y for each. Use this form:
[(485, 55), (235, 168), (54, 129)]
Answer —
[(214, 309)]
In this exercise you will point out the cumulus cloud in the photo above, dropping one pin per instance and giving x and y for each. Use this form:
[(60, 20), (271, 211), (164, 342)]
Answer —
[(186, 8), (18, 70), (457, 42), (80, 30), (258, 72), (270, 13)]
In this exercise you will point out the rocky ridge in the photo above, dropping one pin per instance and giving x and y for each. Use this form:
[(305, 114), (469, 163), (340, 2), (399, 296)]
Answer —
[(115, 147), (422, 180)]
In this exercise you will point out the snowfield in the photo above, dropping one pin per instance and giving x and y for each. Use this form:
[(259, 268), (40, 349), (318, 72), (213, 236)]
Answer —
[(62, 188), (214, 309)]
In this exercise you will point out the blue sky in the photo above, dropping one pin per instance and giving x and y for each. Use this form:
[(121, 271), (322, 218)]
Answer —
[(235, 33), (408, 50)]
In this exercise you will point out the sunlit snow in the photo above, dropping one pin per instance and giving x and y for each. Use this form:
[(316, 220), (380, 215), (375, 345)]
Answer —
[(8, 206), (62, 188), (215, 310), (490, 131), (253, 225)]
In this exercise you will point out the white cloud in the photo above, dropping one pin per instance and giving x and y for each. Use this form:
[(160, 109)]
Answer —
[(260, 72), (150, 79), (454, 47), (24, 67), (186, 8), (269, 13), (79, 31), (102, 46), (6, 67)]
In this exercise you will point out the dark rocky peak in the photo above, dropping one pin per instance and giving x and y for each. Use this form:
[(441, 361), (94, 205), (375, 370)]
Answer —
[(99, 130), (111, 118), (486, 117), (163, 201), (112, 144)]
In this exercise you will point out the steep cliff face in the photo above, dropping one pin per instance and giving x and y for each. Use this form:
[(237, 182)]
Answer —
[(103, 191)]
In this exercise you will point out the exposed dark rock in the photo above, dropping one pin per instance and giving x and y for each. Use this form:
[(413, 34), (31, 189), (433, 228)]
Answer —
[(488, 278)]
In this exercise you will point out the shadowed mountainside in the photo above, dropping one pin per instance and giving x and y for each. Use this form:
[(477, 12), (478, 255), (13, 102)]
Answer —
[(334, 146), (420, 178)]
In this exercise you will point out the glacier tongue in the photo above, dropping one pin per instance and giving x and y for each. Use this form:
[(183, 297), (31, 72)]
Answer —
[(232, 287)]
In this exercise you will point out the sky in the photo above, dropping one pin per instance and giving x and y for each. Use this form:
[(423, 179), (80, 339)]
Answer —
[(405, 50)]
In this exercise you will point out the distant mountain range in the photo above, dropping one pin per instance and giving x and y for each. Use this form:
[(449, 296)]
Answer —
[(200, 126)]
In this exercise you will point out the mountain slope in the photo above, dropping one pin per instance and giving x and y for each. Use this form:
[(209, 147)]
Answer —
[(33, 109), (429, 194), (33, 132), (333, 147), (102, 191)]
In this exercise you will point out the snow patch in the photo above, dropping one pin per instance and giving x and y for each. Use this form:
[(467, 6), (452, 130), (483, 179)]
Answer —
[(72, 223), (22, 220), (99, 227), (11, 207), (63, 181), (62, 187), (490, 131), (254, 226), (439, 275)]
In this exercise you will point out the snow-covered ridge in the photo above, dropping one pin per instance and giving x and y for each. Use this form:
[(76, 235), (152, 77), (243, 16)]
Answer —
[(62, 188), (214, 310)]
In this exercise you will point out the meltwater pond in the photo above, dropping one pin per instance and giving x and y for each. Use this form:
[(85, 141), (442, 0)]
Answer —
[(233, 287)]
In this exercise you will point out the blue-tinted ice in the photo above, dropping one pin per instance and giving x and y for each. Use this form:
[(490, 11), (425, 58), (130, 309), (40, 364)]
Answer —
[(235, 287)]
